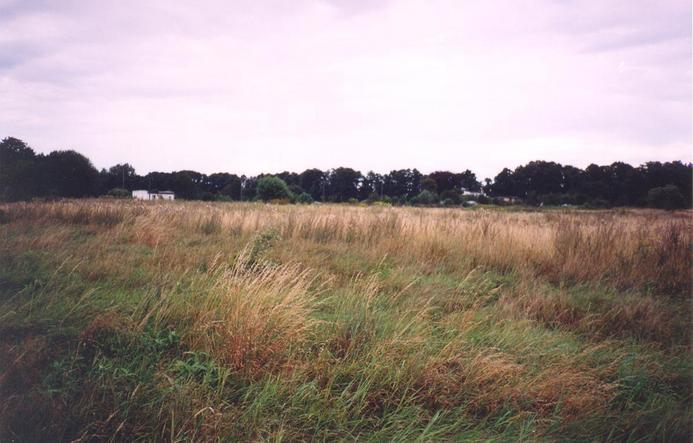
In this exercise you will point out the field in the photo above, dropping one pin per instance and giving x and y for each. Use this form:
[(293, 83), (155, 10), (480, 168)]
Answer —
[(198, 322)]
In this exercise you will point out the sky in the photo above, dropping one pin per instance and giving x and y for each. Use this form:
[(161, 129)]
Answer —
[(249, 86)]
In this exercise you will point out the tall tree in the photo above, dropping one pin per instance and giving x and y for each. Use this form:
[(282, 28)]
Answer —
[(68, 174), (467, 180), (445, 180), (18, 170), (344, 184), (313, 181)]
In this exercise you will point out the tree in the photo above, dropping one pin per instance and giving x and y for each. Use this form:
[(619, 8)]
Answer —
[(185, 184), (25, 174), (119, 193), (666, 197), (468, 181), (504, 184), (249, 188), (444, 180), (656, 174), (539, 178), (453, 196), (272, 188), (304, 198), (402, 184), (68, 174), (373, 183), (18, 170), (290, 178), (228, 185), (123, 174), (428, 184), (313, 182), (425, 198), (118, 176), (296, 190), (344, 184)]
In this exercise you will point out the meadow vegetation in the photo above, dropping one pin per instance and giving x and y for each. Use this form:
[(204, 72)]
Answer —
[(192, 321)]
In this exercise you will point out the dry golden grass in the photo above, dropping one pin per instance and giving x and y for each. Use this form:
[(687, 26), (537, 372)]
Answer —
[(641, 249), (254, 315)]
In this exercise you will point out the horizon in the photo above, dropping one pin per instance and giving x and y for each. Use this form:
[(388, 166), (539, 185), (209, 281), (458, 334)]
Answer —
[(370, 85)]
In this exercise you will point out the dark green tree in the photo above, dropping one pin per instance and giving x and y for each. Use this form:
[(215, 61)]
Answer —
[(429, 184), (344, 184), (304, 198), (666, 197), (68, 174), (313, 181), (425, 198), (467, 180), (444, 180), (18, 170)]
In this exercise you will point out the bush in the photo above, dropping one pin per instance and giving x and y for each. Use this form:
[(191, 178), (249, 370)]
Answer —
[(666, 197), (451, 195), (222, 198), (372, 197), (119, 193), (425, 198), (598, 203), (272, 188), (296, 190), (304, 198), (352, 201)]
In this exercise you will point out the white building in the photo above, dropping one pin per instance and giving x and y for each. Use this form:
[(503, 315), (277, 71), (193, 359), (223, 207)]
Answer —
[(471, 193), (141, 194)]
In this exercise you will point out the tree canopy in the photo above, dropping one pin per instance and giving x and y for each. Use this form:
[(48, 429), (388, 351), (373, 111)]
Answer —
[(24, 174)]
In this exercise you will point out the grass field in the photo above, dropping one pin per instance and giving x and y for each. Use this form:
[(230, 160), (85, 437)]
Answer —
[(198, 322)]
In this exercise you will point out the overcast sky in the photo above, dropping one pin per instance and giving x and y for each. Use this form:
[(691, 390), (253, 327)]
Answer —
[(264, 86)]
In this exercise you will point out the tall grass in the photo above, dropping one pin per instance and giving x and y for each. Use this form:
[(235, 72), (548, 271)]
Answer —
[(248, 322), (632, 249)]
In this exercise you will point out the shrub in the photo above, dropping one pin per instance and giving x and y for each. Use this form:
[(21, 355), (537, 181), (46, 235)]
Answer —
[(598, 203), (304, 198), (272, 188), (452, 196), (296, 190), (666, 197), (222, 198), (119, 193), (425, 198), (372, 197)]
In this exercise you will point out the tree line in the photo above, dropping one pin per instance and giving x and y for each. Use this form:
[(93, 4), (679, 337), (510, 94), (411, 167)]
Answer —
[(24, 175)]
